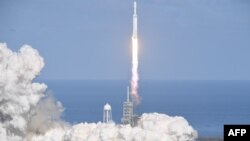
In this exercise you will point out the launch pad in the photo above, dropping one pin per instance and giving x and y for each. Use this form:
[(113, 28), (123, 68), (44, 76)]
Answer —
[(128, 112)]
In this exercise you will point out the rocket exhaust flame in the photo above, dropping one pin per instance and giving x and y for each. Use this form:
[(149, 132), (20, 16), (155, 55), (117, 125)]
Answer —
[(135, 75)]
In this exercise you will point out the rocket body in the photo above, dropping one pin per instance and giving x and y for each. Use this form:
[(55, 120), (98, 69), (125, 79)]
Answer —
[(134, 22), (135, 41)]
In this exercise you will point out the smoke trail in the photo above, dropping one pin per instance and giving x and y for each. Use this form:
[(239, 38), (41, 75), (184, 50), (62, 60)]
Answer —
[(135, 75)]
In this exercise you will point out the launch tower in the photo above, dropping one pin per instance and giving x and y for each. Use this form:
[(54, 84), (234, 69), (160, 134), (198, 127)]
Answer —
[(127, 110)]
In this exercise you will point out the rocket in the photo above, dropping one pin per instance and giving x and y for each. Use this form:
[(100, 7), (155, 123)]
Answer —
[(134, 70), (134, 22)]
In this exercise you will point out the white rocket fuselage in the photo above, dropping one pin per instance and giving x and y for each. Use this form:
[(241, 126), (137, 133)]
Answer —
[(134, 22)]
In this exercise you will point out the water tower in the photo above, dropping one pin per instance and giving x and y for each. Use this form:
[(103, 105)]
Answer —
[(107, 113)]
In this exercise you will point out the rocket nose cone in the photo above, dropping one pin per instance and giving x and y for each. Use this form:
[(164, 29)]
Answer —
[(135, 7)]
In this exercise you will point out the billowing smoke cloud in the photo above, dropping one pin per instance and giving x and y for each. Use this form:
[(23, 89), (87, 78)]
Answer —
[(151, 127), (45, 115), (18, 96), (28, 114), (24, 109)]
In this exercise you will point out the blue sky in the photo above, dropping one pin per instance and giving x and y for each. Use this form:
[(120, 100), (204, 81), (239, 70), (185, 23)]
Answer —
[(178, 39)]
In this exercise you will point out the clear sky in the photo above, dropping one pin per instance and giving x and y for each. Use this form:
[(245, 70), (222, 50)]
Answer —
[(178, 39)]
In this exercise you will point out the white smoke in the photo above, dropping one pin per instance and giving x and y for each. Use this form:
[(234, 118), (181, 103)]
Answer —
[(151, 127), (28, 114), (45, 116), (18, 95)]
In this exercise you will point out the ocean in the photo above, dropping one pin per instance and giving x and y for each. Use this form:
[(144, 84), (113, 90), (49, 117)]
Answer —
[(207, 105)]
